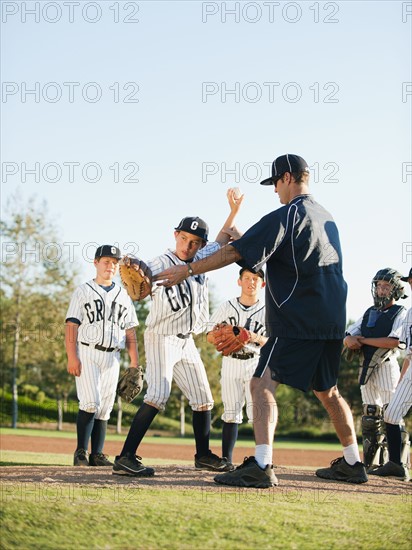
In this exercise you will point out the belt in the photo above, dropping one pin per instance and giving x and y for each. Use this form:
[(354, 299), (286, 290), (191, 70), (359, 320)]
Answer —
[(242, 356), (183, 336), (99, 347)]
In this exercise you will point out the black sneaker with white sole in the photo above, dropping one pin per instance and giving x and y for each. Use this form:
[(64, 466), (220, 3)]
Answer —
[(130, 465), (249, 474), (340, 470)]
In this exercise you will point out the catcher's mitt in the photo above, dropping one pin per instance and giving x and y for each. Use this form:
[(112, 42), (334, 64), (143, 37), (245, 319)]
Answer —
[(229, 339), (136, 277), (130, 383)]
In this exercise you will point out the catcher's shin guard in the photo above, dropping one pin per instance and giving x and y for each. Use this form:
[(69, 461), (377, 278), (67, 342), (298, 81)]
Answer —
[(406, 447), (373, 436)]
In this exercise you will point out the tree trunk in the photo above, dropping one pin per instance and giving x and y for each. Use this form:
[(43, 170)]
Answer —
[(14, 405), (59, 414), (119, 415), (182, 415)]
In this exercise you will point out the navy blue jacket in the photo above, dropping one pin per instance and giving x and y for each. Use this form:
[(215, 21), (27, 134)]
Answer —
[(305, 289)]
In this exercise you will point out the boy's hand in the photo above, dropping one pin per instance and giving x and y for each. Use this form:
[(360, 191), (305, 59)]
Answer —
[(74, 366)]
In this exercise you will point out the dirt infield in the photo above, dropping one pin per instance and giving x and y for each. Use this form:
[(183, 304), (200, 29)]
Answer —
[(292, 479), (285, 457)]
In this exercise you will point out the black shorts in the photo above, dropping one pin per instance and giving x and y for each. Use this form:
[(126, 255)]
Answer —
[(301, 364)]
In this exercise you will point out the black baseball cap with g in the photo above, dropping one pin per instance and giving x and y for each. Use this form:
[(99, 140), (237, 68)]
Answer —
[(107, 251), (286, 163), (195, 226)]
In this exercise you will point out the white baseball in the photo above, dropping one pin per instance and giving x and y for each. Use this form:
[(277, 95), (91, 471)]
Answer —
[(237, 193)]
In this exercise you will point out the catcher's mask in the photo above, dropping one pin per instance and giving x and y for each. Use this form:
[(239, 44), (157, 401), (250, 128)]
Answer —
[(394, 278), (195, 226)]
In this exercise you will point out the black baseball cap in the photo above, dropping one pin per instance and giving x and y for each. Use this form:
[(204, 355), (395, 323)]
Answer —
[(260, 272), (407, 276), (195, 226), (107, 251), (286, 163)]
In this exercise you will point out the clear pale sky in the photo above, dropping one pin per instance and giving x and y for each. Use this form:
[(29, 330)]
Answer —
[(128, 116)]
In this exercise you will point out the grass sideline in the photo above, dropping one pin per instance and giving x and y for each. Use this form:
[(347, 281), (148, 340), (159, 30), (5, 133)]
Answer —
[(166, 440), (49, 515), (131, 517)]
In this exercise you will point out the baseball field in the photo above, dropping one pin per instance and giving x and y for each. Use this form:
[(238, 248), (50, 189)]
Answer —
[(47, 503)]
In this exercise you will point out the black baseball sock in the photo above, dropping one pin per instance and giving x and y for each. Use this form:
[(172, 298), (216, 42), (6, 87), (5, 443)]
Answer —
[(98, 435), (229, 437), (141, 423), (201, 429), (85, 422), (394, 438)]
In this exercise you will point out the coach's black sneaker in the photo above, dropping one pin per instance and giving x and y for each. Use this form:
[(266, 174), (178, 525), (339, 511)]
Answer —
[(99, 459), (211, 462), (391, 469), (81, 458), (130, 465), (340, 470), (249, 474)]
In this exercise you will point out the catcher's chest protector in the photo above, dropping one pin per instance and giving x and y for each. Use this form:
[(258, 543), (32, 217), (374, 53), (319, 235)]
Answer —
[(378, 324)]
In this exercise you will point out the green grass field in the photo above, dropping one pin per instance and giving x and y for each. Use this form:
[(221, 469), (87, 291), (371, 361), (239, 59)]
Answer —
[(41, 515)]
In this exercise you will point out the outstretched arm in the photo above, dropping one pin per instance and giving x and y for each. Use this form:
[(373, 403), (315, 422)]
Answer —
[(229, 231), (178, 273)]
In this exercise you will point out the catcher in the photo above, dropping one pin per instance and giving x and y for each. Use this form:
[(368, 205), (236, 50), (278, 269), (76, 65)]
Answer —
[(376, 336), (239, 333)]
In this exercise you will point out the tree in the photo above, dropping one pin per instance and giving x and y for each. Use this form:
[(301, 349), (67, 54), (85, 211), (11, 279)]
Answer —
[(33, 274)]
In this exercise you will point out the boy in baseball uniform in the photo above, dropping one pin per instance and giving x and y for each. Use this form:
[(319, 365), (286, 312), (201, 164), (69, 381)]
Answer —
[(399, 405), (100, 321), (247, 311), (376, 335), (176, 314)]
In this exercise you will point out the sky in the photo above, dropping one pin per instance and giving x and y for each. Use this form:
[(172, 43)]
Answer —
[(128, 116)]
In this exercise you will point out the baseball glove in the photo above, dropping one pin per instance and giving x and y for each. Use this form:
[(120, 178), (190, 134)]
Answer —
[(229, 339), (136, 277), (130, 383)]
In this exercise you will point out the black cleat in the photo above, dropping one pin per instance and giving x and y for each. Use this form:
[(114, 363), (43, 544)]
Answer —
[(340, 470), (99, 459), (249, 474), (81, 458), (130, 465)]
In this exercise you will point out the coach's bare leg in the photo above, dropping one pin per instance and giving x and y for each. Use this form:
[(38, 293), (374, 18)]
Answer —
[(265, 410), (340, 414)]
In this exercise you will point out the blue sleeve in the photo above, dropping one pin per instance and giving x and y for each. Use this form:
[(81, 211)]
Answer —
[(260, 241)]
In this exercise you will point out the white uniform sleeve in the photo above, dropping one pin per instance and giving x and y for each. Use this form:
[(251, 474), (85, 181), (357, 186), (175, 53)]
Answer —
[(76, 310), (398, 325), (355, 328)]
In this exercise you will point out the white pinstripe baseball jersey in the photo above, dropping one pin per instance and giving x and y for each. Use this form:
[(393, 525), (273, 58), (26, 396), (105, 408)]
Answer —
[(102, 318), (401, 400), (381, 385), (237, 373), (175, 314), (183, 308)]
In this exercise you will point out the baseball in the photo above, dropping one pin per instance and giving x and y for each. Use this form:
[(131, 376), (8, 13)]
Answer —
[(237, 193)]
